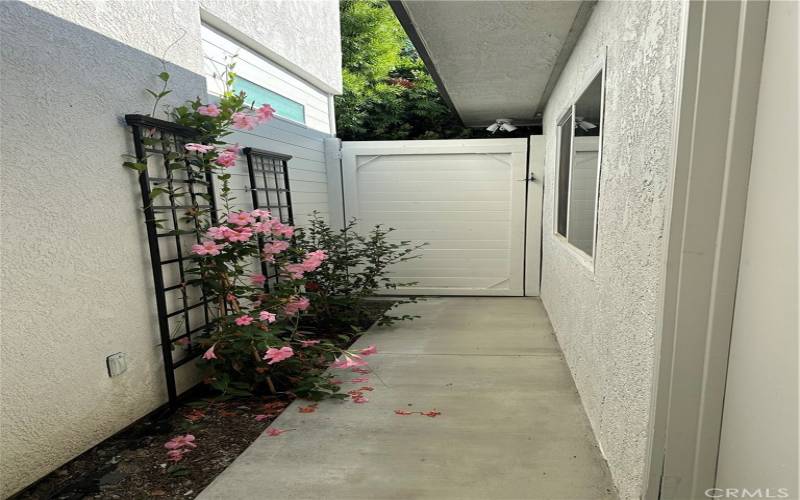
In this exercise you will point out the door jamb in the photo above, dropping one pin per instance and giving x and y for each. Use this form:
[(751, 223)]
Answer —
[(534, 204), (713, 139)]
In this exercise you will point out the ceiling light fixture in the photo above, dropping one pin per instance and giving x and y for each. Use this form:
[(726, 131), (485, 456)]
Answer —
[(583, 124), (503, 124)]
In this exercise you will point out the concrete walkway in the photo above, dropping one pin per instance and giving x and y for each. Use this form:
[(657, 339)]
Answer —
[(512, 426)]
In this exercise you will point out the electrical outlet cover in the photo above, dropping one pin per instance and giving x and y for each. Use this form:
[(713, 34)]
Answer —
[(117, 364)]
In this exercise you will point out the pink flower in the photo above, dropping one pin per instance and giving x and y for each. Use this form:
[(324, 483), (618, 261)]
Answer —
[(360, 380), (295, 305), (218, 233), (313, 260), (180, 442), (259, 418), (369, 350), (200, 148), (362, 371), (231, 298), (432, 413), (295, 271), (265, 113), (348, 362), (226, 159), (403, 412), (209, 110), (258, 279), (267, 316), (275, 247), (207, 247), (243, 121), (276, 432), (183, 341), (243, 234), (276, 355), (233, 148), (359, 399), (263, 227), (260, 213), (175, 455), (281, 229), (240, 218), (209, 354), (308, 343), (336, 381), (243, 320)]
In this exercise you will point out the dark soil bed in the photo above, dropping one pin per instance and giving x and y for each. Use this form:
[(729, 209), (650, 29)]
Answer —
[(133, 463)]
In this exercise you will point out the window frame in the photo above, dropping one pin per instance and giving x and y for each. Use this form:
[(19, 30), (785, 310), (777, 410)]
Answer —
[(598, 69)]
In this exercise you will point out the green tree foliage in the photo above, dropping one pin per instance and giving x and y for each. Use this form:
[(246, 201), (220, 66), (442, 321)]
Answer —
[(388, 92)]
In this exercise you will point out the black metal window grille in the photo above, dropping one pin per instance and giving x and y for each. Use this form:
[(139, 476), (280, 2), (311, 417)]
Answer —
[(269, 189), (172, 191)]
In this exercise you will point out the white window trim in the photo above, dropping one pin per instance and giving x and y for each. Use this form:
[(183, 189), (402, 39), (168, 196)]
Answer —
[(588, 261)]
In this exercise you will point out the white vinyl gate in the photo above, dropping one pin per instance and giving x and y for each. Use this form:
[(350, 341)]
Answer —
[(464, 198)]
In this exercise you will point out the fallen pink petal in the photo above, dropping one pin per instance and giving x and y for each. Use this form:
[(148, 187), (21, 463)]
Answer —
[(369, 350), (272, 431)]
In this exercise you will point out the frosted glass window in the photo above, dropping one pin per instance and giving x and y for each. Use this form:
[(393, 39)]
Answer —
[(283, 106)]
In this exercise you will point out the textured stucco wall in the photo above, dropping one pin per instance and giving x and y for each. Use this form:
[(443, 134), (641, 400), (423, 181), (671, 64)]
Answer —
[(76, 276), (606, 320), (303, 34)]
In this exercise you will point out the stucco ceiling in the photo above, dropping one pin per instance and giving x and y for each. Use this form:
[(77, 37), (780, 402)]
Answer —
[(494, 59)]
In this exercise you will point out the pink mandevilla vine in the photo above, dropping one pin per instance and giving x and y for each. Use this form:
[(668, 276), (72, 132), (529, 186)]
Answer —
[(256, 343)]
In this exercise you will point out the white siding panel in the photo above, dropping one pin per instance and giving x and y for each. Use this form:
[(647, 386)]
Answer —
[(259, 70), (308, 178)]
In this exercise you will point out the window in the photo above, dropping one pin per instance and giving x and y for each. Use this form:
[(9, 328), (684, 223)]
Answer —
[(564, 160), (283, 106), (579, 144)]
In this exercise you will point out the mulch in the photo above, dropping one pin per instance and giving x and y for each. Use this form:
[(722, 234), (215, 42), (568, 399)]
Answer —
[(133, 463)]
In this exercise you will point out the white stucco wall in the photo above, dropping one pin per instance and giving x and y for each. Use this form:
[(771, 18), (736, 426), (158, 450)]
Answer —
[(76, 276), (605, 319)]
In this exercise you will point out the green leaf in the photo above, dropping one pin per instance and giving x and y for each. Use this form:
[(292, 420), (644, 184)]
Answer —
[(178, 471), (139, 167), (156, 192), (164, 76)]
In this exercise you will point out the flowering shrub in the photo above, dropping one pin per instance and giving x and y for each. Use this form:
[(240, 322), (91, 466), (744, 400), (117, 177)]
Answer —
[(255, 344), (356, 267)]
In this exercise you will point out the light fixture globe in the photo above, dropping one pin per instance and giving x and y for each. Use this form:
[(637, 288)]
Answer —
[(503, 124)]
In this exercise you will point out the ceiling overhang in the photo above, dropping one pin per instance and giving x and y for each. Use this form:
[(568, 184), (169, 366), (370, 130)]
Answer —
[(494, 59)]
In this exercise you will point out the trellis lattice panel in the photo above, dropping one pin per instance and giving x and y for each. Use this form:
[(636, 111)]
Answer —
[(172, 191), (269, 189)]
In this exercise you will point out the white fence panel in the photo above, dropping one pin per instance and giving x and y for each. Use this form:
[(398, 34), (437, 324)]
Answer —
[(465, 198)]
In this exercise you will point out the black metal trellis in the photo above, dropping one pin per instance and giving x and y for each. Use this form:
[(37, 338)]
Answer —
[(269, 189), (185, 310)]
